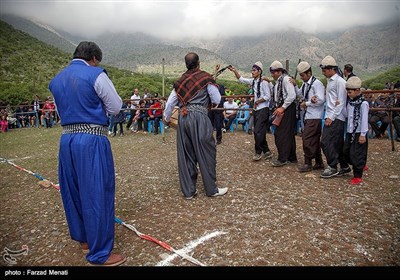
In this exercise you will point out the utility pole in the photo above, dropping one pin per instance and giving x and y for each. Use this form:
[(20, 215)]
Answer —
[(163, 78)]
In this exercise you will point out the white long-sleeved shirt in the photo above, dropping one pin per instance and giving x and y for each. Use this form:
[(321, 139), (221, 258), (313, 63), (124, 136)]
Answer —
[(265, 92), (336, 97), (363, 125), (288, 91), (173, 100), (314, 110)]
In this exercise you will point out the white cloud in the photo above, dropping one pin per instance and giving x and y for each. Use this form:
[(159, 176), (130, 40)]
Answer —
[(202, 18)]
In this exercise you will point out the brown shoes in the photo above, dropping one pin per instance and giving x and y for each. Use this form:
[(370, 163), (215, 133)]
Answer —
[(318, 166), (305, 168), (84, 247), (113, 260)]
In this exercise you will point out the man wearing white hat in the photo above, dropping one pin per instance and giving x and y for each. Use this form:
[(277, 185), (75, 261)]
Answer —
[(262, 95), (284, 97), (312, 92), (333, 133)]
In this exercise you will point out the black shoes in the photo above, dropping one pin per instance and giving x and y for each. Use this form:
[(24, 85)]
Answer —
[(344, 171), (305, 168)]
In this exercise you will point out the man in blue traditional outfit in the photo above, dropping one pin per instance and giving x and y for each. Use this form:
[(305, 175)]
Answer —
[(84, 94), (193, 93)]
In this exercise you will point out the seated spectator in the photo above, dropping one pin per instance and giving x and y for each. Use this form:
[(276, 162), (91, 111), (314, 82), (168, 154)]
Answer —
[(382, 116), (229, 113), (21, 115), (31, 114), (142, 116)]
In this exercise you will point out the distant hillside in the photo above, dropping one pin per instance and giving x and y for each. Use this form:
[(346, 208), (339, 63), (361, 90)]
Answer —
[(371, 50), (42, 32), (27, 65)]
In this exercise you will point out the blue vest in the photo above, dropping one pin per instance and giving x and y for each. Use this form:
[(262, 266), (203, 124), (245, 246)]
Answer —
[(75, 96)]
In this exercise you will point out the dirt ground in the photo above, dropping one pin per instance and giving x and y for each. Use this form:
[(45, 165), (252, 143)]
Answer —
[(269, 217)]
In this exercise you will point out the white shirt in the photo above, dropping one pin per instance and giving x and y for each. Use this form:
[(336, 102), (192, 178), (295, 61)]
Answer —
[(289, 94), (135, 101), (362, 128), (264, 94), (336, 98), (314, 110)]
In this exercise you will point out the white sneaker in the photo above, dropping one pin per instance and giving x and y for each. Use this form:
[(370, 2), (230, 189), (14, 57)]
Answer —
[(221, 191)]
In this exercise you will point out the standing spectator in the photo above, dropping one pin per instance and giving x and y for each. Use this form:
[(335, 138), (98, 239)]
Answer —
[(333, 132), (262, 96), (134, 103), (193, 93), (155, 114), (145, 93), (48, 111), (312, 93), (36, 108), (356, 145), (119, 119), (285, 109), (348, 71), (396, 118), (86, 166), (3, 122)]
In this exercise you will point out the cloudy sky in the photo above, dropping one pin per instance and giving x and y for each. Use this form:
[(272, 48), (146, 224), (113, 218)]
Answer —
[(202, 18)]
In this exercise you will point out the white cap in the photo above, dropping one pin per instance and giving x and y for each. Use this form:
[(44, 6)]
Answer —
[(276, 65), (328, 61), (303, 67), (259, 65), (353, 83)]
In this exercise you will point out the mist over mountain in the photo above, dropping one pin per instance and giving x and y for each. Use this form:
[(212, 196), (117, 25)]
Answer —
[(370, 50)]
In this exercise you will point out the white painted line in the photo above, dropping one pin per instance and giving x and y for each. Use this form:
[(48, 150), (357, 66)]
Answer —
[(13, 159), (189, 247)]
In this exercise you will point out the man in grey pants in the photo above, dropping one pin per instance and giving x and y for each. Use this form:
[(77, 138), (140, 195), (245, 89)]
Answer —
[(193, 93)]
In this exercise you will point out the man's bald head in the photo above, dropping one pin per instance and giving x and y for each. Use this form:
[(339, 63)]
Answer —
[(191, 60)]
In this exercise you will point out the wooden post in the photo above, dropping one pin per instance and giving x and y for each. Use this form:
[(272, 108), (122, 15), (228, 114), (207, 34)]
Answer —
[(391, 128), (163, 79)]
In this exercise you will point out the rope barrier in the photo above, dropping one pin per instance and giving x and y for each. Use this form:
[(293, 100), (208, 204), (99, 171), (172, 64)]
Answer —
[(38, 176), (116, 219)]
